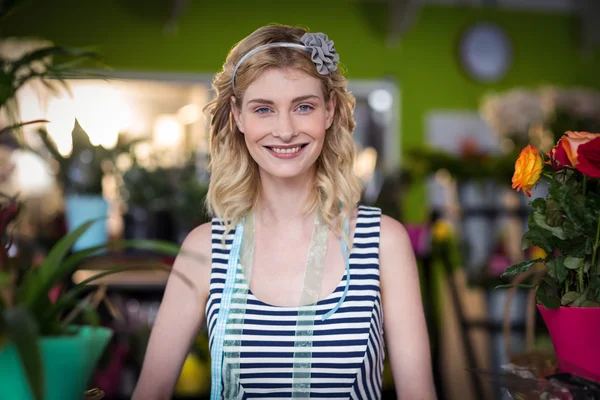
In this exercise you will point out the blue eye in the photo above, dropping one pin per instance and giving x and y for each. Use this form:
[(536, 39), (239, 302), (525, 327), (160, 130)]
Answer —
[(262, 110), (305, 107)]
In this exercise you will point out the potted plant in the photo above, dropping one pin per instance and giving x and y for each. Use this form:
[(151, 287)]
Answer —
[(80, 175), (52, 65), (566, 225), (163, 202), (44, 354)]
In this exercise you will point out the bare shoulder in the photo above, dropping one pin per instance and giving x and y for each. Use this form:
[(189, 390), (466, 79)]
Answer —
[(395, 248), (195, 257), (393, 234), (199, 238)]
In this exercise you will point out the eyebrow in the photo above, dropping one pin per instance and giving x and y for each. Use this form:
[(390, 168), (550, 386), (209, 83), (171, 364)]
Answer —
[(295, 100)]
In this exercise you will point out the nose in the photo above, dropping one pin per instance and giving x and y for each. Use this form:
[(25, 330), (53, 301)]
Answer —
[(284, 127)]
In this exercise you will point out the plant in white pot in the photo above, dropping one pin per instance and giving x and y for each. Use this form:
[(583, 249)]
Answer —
[(566, 225)]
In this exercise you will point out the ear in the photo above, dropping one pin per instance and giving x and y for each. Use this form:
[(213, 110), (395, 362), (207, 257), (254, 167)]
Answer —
[(330, 109), (237, 115)]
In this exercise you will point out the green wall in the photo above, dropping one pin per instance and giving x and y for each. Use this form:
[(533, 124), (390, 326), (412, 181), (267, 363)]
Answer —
[(129, 34)]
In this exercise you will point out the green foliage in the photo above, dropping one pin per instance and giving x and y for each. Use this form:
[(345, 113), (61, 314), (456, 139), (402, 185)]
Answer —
[(176, 189), (565, 225), (51, 65), (26, 312)]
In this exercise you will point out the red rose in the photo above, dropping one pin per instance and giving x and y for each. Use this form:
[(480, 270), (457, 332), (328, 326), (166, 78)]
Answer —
[(588, 158), (559, 158)]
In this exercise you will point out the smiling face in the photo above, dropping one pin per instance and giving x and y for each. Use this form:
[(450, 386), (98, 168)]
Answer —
[(284, 118)]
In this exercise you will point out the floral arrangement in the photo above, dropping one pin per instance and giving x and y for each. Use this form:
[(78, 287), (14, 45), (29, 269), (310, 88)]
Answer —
[(566, 223)]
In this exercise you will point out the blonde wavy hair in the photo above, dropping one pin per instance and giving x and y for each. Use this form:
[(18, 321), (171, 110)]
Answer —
[(234, 187)]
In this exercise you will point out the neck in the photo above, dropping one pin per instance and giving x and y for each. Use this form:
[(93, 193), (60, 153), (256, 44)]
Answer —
[(285, 200)]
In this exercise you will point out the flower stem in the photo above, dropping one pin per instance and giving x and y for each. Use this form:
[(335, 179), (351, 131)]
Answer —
[(595, 253), (584, 184)]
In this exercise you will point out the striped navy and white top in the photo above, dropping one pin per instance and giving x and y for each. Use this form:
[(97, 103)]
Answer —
[(347, 349)]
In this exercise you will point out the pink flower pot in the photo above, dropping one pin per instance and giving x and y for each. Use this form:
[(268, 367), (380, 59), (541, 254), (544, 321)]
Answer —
[(575, 335)]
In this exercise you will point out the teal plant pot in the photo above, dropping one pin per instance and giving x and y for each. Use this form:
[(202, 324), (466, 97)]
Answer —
[(80, 209), (68, 364)]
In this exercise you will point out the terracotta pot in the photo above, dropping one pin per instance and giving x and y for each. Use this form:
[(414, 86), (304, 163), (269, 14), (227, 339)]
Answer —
[(574, 332)]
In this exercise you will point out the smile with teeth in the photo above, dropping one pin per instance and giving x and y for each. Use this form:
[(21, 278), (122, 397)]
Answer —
[(286, 150)]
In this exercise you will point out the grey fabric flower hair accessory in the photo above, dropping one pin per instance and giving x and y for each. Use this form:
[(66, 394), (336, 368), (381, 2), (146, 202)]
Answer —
[(323, 52), (321, 49)]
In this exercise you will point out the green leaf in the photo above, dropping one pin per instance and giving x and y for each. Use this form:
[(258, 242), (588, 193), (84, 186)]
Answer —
[(520, 285), (554, 215), (539, 237), (569, 298), (23, 333), (557, 269), (540, 220), (48, 273), (582, 298), (14, 127), (590, 303), (587, 264), (6, 86), (69, 298), (547, 301), (579, 246), (520, 267), (539, 205), (573, 262), (526, 242), (50, 51), (551, 282)]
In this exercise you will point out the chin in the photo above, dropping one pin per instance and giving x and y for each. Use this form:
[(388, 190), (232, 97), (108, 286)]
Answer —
[(285, 173)]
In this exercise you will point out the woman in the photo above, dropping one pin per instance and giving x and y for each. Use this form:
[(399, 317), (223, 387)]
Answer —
[(303, 282)]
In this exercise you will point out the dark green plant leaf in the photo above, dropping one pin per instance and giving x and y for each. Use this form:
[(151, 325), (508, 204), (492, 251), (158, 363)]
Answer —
[(6, 86), (573, 262), (547, 301), (582, 298), (540, 220), (48, 52), (23, 334), (587, 264), (539, 206), (590, 303), (540, 238), (36, 286), (51, 328), (520, 285), (520, 267), (554, 214), (569, 298), (551, 282), (14, 127), (70, 298)]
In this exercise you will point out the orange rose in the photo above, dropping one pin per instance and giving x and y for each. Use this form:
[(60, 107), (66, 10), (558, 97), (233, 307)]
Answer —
[(528, 169)]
